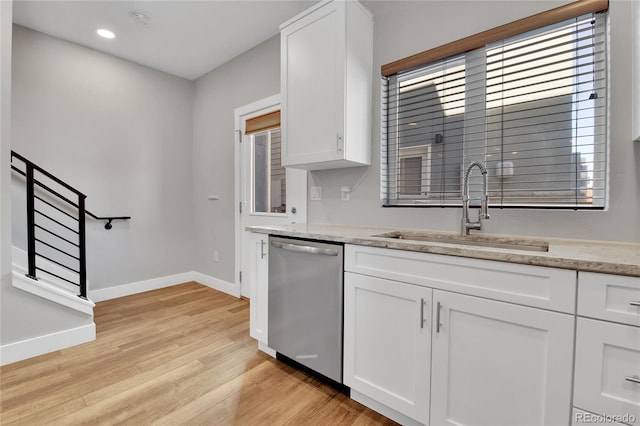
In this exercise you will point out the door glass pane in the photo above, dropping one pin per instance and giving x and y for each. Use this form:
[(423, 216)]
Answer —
[(269, 177)]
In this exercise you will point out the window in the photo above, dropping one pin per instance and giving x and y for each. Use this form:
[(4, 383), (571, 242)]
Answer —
[(531, 106), (268, 177)]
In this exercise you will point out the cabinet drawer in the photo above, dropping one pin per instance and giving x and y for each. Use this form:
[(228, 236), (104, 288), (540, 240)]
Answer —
[(536, 286), (607, 359), (609, 297)]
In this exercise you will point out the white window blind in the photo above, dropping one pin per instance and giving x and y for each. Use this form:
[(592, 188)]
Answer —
[(532, 107)]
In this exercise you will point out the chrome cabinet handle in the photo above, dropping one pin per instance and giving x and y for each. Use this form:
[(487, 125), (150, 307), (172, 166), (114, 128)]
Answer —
[(438, 317), (304, 249), (338, 140), (422, 320), (633, 379), (262, 249), (634, 303)]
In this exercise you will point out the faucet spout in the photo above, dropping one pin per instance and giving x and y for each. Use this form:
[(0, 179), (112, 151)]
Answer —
[(484, 203)]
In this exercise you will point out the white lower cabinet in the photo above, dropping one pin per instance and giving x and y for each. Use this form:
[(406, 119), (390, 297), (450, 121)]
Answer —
[(457, 359), (608, 370), (387, 343), (259, 288), (609, 297), (607, 360), (496, 363)]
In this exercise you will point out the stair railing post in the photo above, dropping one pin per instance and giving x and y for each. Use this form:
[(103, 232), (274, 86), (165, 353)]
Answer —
[(82, 246), (31, 224)]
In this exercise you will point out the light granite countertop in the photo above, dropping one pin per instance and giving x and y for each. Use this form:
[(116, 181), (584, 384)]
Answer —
[(582, 255)]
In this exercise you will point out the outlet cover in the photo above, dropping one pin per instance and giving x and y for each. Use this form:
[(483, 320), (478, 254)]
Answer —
[(344, 193)]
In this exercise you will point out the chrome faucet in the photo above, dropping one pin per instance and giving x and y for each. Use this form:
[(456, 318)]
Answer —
[(484, 203)]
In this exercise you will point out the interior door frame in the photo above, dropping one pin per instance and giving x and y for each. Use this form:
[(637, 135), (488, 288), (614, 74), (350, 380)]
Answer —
[(241, 114)]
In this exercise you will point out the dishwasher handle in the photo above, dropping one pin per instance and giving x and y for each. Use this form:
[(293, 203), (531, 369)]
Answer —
[(304, 249)]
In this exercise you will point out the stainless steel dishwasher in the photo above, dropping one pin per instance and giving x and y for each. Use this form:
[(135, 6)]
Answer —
[(305, 303)]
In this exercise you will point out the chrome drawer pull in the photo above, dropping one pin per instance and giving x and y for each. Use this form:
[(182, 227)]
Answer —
[(633, 303), (633, 379), (422, 320), (438, 317)]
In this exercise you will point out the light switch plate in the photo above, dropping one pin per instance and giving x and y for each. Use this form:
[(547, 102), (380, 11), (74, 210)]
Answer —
[(316, 193)]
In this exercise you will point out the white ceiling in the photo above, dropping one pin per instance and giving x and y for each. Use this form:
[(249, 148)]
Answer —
[(184, 38)]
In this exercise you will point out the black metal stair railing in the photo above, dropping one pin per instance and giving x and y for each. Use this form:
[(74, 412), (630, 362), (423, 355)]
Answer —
[(56, 226)]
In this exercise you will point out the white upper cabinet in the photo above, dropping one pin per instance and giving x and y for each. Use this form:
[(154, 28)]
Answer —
[(327, 67)]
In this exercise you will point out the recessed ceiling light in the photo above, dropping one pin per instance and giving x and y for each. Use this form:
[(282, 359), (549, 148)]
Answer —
[(139, 17), (105, 33)]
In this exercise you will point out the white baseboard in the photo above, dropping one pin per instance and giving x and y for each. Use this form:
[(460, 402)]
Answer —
[(52, 292), (139, 287), (18, 351), (266, 349), (155, 283), (217, 284), (383, 409), (29, 348)]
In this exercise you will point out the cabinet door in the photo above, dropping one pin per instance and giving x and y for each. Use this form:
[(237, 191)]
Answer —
[(497, 363), (259, 289), (608, 369), (312, 55), (387, 343)]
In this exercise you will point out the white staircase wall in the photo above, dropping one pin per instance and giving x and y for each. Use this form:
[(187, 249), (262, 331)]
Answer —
[(34, 323), (19, 259), (44, 315)]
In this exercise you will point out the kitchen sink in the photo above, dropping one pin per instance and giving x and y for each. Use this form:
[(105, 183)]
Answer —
[(509, 243)]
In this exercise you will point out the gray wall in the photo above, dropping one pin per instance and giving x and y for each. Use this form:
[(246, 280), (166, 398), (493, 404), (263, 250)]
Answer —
[(252, 76), (6, 8), (22, 315), (122, 134), (403, 28)]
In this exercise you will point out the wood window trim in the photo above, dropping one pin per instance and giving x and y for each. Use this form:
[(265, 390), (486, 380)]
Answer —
[(479, 40), (270, 120)]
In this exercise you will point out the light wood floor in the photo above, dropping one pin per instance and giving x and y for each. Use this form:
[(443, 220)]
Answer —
[(179, 355)]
